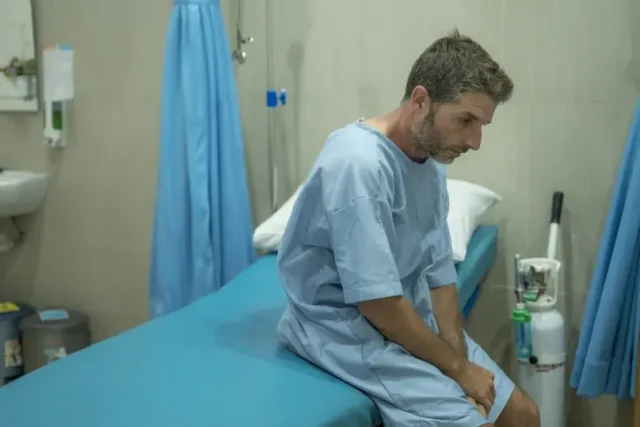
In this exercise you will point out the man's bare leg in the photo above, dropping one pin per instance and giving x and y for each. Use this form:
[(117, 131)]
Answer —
[(520, 411)]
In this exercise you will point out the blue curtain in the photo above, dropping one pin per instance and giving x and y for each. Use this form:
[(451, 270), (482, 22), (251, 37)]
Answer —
[(202, 223), (607, 351)]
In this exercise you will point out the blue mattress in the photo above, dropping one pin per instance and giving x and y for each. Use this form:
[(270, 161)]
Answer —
[(481, 254), (214, 363)]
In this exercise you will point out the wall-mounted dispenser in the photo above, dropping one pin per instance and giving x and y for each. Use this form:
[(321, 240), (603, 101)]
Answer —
[(58, 90)]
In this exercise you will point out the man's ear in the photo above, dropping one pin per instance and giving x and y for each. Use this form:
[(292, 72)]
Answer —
[(420, 96)]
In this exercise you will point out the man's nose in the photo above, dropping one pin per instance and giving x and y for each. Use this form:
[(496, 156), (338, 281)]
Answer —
[(474, 141)]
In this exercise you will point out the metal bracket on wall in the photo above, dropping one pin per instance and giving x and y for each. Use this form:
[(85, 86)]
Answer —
[(18, 68), (239, 55)]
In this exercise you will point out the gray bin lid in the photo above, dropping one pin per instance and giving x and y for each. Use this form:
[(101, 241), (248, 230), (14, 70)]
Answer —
[(54, 318)]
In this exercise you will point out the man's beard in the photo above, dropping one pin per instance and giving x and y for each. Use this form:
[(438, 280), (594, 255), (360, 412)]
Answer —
[(428, 141)]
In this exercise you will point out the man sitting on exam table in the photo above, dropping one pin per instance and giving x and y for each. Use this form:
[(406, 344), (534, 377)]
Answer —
[(366, 258)]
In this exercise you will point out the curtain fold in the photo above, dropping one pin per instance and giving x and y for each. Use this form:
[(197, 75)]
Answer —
[(605, 361), (202, 232)]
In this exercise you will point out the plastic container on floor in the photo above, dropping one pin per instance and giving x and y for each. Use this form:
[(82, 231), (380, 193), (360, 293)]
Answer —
[(52, 334)]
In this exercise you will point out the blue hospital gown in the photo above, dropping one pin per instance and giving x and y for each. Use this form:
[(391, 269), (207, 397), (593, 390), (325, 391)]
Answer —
[(370, 223)]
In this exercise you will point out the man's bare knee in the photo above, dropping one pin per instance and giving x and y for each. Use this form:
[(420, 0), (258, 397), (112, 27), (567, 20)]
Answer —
[(521, 410), (531, 413)]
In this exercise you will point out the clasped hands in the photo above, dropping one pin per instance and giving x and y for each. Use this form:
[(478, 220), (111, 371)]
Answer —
[(478, 385)]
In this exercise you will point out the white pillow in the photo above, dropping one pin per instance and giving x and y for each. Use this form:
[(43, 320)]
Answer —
[(467, 204), (268, 235)]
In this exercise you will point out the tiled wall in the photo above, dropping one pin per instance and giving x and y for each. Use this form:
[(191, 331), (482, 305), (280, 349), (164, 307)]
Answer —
[(88, 248), (576, 68), (575, 63)]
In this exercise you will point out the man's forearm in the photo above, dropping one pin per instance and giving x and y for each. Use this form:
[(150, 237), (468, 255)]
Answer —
[(396, 319), (448, 317)]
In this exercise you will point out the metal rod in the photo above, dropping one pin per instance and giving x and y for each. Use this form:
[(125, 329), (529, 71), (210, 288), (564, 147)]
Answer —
[(239, 55), (518, 279), (273, 168), (240, 15)]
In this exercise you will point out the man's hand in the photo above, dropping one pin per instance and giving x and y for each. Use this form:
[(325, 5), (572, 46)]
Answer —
[(448, 317), (481, 408), (396, 319), (477, 383)]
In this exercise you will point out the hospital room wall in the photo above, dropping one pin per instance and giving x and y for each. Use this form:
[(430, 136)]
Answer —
[(576, 68), (576, 82), (88, 247)]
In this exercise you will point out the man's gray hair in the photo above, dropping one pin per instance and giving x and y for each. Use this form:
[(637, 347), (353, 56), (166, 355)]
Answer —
[(456, 64)]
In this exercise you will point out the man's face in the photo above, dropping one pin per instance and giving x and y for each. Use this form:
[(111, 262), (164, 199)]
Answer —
[(446, 131)]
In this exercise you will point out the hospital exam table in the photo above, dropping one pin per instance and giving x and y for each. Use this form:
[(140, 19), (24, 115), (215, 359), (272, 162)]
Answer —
[(214, 363)]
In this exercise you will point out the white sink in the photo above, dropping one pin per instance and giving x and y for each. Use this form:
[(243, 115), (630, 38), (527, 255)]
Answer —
[(21, 192)]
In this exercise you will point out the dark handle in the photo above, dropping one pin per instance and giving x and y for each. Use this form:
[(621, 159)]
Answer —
[(556, 210)]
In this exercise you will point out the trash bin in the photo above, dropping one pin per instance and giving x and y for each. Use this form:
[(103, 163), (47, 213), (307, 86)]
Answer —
[(52, 334), (12, 362)]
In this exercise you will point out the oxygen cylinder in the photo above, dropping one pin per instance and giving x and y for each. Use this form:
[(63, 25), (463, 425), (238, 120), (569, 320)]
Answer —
[(542, 374)]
